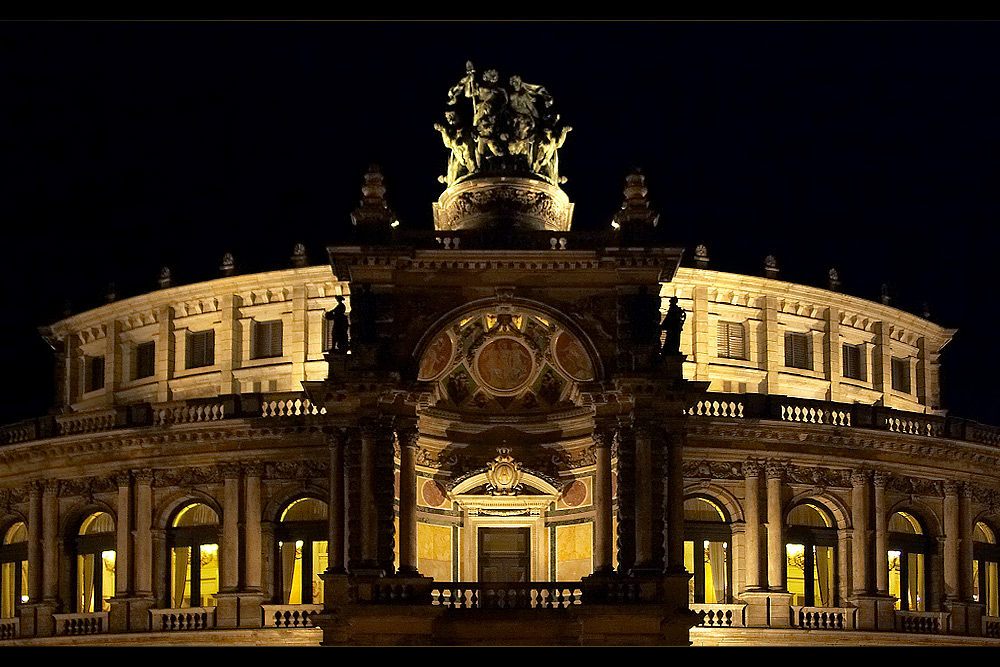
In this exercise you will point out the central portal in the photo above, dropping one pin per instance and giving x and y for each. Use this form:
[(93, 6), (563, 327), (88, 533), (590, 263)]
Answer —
[(504, 554)]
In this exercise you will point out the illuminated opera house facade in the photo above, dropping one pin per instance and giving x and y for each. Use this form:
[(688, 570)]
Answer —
[(498, 431)]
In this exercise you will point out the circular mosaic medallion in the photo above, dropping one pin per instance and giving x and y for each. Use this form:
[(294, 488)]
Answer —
[(574, 493), (572, 358), (504, 364), (433, 493), (436, 358)]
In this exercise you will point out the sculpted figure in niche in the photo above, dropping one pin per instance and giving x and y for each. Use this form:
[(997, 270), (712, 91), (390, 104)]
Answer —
[(672, 324)]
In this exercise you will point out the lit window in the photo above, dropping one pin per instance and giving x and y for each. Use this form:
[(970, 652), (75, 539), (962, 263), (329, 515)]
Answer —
[(901, 375), (854, 362), (797, 350), (266, 339), (200, 349), (302, 552), (95, 373), (13, 569), (810, 549), (907, 547), (194, 557), (145, 360), (732, 340), (707, 554), (95, 563), (986, 556)]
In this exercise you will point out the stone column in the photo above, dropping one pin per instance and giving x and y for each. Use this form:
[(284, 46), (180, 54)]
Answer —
[(227, 609), (967, 529), (29, 612), (142, 562), (407, 438), (643, 498), (603, 537), (751, 534), (253, 520), (335, 539), (50, 541), (859, 542), (775, 529), (369, 517), (124, 563), (675, 504), (881, 536), (952, 584), (625, 539)]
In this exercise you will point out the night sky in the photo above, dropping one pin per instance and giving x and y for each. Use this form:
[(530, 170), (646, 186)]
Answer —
[(870, 147)]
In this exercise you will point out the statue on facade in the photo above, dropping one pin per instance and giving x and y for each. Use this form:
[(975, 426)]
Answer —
[(672, 324), (512, 129), (340, 325)]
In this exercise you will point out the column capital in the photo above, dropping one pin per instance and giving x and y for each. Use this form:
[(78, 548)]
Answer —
[(751, 468)]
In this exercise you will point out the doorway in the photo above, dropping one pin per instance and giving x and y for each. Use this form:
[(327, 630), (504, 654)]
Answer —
[(505, 555)]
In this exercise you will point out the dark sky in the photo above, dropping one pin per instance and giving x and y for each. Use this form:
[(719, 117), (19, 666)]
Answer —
[(866, 146)]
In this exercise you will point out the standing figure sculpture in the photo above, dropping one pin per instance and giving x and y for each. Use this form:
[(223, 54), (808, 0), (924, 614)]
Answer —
[(340, 325), (672, 324)]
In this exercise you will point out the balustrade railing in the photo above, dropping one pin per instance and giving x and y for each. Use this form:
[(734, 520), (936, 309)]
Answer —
[(473, 595), (81, 624), (719, 615), (290, 615), (922, 622), (991, 627), (10, 628), (193, 618), (824, 618)]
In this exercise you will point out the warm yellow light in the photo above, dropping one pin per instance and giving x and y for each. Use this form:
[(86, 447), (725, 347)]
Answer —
[(395, 223), (614, 224)]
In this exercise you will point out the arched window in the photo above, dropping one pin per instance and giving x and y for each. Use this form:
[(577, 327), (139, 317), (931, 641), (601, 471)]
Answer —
[(907, 546), (810, 553), (707, 547), (986, 556), (13, 569), (95, 563), (302, 552), (193, 541)]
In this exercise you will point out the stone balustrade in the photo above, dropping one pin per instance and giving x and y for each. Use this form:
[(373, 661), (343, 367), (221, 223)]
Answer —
[(534, 595), (922, 622), (290, 615), (719, 615), (193, 618), (824, 618), (81, 624)]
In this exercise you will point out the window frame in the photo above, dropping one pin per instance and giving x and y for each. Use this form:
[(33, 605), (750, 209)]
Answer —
[(94, 373), (15, 555), (901, 379), (725, 339), (791, 350), (810, 537), (94, 544), (264, 343), (861, 372), (910, 544), (140, 360), (193, 538), (700, 532), (205, 359)]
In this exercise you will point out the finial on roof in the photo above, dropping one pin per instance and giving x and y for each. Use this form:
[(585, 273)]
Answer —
[(771, 267), (373, 211), (166, 280), (299, 258), (701, 256), (635, 213), (833, 280), (228, 267)]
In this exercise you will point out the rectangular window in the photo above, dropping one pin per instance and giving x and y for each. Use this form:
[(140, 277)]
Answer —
[(266, 339), (145, 360), (797, 350), (200, 349), (95, 374), (854, 362), (732, 340), (901, 375)]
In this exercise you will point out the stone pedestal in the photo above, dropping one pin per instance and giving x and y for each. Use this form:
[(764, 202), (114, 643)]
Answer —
[(130, 614), (875, 612), (238, 609), (768, 609), (966, 618)]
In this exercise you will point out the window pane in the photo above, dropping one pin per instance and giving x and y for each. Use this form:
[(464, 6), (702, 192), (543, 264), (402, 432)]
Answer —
[(716, 572), (180, 567), (320, 560), (795, 572), (824, 576), (689, 566), (209, 574)]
